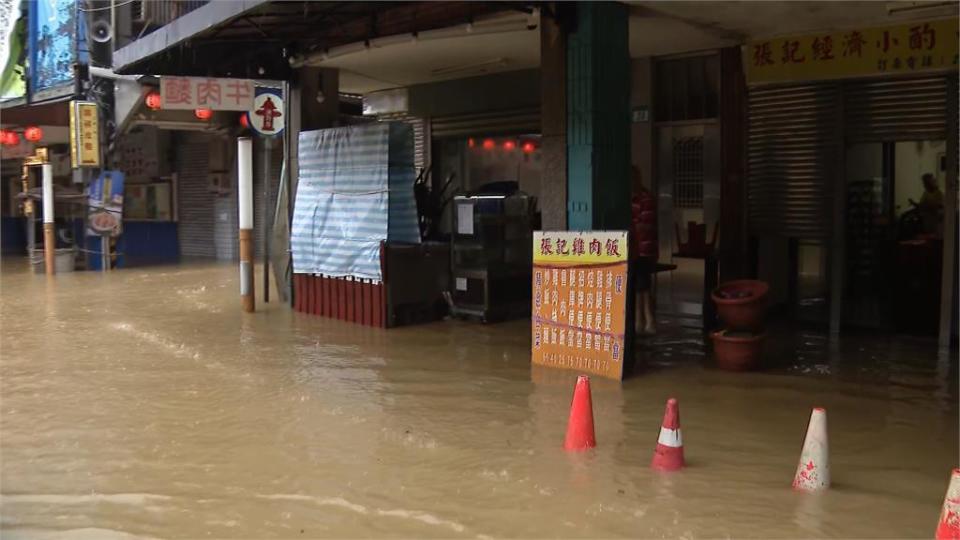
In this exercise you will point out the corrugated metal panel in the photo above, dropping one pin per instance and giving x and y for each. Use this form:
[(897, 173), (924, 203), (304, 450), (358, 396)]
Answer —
[(194, 199), (896, 110), (503, 122), (793, 142)]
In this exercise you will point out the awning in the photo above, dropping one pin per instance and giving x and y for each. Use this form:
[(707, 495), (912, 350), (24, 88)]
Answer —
[(143, 52), (256, 38)]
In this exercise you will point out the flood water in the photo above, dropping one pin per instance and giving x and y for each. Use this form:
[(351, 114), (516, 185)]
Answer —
[(143, 403)]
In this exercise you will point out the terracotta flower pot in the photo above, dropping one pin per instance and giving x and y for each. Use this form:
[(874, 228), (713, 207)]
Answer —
[(737, 351), (742, 304)]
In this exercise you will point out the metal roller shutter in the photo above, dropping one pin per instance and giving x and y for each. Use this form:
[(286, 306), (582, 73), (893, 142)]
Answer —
[(885, 110), (503, 122), (793, 142), (195, 202)]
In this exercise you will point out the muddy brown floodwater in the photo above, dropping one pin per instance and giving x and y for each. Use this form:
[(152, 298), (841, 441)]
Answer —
[(142, 403)]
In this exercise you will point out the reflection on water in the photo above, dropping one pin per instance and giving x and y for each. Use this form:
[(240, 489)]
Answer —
[(143, 403)]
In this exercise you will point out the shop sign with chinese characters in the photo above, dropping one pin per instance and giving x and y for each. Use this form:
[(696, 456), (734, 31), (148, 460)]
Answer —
[(84, 134), (908, 48), (580, 300), (188, 93)]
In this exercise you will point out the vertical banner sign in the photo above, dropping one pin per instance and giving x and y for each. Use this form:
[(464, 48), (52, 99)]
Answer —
[(105, 204), (84, 134), (580, 300)]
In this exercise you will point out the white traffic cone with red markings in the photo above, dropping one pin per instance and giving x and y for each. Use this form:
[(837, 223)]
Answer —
[(669, 453), (813, 471), (949, 526)]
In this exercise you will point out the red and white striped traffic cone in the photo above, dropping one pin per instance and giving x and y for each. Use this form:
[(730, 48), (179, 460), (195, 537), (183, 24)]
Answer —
[(669, 453), (580, 424), (949, 526), (813, 470)]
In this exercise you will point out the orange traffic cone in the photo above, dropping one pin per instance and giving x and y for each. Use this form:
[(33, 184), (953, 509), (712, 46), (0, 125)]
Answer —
[(949, 527), (669, 453), (580, 425), (813, 471)]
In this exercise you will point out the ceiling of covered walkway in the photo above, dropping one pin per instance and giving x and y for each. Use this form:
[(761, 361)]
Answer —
[(409, 43), (656, 28)]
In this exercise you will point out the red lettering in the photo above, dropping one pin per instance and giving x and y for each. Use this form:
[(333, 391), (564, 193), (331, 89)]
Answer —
[(823, 48), (762, 54), (790, 53), (853, 44), (922, 37)]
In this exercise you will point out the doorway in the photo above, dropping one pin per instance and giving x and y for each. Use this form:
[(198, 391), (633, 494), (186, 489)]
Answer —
[(894, 235)]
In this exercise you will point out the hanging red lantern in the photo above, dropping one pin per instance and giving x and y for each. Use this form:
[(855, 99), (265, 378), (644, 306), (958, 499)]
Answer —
[(153, 101), (244, 121), (33, 133), (10, 138), (488, 144), (3, 137), (203, 114), (528, 147), (509, 146), (471, 143)]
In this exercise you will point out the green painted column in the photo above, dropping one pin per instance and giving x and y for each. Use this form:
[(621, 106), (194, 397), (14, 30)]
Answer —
[(598, 118)]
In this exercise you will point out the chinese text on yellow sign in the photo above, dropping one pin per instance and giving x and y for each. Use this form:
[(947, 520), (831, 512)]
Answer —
[(579, 301), (908, 48), (84, 134)]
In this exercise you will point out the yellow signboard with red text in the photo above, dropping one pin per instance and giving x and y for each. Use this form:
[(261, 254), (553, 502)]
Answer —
[(84, 134), (917, 47), (580, 301)]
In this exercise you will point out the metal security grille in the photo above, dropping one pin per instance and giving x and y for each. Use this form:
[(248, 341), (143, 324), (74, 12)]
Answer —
[(194, 199), (688, 172), (793, 150), (897, 110)]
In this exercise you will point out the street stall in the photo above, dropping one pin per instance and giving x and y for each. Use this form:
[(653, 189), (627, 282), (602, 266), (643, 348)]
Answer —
[(355, 217)]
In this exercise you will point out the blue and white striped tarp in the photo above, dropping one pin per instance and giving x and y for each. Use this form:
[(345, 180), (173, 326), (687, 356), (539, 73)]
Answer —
[(355, 189)]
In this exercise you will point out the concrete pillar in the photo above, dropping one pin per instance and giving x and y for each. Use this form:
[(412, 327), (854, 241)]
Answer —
[(553, 118), (733, 166), (598, 119)]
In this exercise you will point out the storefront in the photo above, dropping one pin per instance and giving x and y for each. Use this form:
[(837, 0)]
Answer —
[(852, 171)]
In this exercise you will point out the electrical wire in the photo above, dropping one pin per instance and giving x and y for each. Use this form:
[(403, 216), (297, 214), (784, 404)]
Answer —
[(88, 10)]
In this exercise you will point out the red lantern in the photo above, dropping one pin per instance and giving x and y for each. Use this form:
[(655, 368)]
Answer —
[(471, 143), (528, 147), (153, 101), (509, 146), (488, 144), (244, 121), (33, 134), (3, 137), (10, 138), (203, 114)]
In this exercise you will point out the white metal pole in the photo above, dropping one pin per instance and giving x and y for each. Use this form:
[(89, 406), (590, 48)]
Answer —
[(245, 201), (49, 236)]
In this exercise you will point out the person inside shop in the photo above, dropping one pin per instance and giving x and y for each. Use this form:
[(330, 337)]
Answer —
[(643, 252), (930, 206)]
